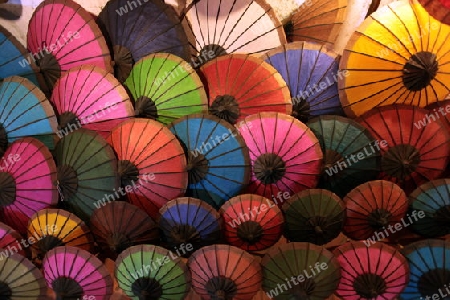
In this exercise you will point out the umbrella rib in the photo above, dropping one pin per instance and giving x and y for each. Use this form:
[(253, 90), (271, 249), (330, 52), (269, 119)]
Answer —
[(235, 24)]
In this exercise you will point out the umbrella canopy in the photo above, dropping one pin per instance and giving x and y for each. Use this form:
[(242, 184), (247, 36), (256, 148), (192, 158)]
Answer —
[(311, 73), (251, 222), (376, 272), (75, 273), (300, 271), (432, 201), (399, 54), (89, 97), (25, 111), (10, 241), (416, 151), (62, 35), (27, 182), (439, 111), (164, 88), (152, 164), (217, 158), (216, 28), (50, 228), (317, 21), (189, 221), (372, 208), (285, 155), (314, 215), (20, 279), (240, 85), (87, 172), (429, 271), (152, 272), (225, 272), (351, 154), (133, 31), (119, 225), (438, 9)]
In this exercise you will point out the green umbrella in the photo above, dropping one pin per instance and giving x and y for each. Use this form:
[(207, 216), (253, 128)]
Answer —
[(165, 88)]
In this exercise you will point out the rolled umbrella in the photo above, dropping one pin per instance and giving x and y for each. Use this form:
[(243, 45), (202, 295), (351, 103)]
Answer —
[(311, 73), (61, 35), (165, 87), (300, 270), (351, 154), (438, 9), (151, 166), (397, 55), (315, 216), (75, 273), (378, 271), (135, 30), (187, 222), (251, 222), (225, 272), (217, 158), (27, 177), (285, 155), (10, 242), (240, 85), (152, 272), (120, 225)]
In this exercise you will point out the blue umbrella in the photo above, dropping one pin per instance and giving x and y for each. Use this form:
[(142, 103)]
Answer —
[(429, 264), (218, 159), (311, 73), (25, 111), (187, 224)]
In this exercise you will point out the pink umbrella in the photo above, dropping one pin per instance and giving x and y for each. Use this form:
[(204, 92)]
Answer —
[(27, 182)]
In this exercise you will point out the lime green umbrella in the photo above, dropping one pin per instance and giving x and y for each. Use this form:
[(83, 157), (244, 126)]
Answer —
[(165, 88)]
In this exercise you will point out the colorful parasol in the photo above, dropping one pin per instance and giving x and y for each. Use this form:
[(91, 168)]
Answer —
[(417, 150), (165, 87), (62, 35), (285, 155), (27, 182), (439, 111), (137, 29), (378, 271), (351, 154), (119, 225), (399, 54), (300, 271), (188, 221), (152, 272), (24, 112), (314, 215), (217, 158), (251, 222), (432, 202), (240, 85), (10, 241), (87, 172), (225, 272), (89, 97), (311, 73), (75, 273), (438, 9), (50, 228), (152, 164)]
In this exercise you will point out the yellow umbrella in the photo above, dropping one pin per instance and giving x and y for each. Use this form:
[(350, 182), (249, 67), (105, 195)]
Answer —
[(399, 54)]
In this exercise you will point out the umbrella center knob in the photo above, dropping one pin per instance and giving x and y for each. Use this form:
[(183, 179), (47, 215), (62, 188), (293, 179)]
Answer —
[(67, 181), (442, 216), (369, 286), (301, 110), (250, 232), (269, 168), (5, 291), (118, 242), (400, 161), (197, 167), (221, 287), (225, 107), (47, 243), (67, 288), (432, 281), (68, 122), (7, 189), (3, 140), (420, 70), (147, 288), (123, 62), (128, 173), (207, 53), (146, 108), (49, 67), (185, 234), (378, 219)]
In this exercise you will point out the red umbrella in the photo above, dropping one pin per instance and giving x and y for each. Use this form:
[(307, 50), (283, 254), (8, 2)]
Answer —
[(10, 241)]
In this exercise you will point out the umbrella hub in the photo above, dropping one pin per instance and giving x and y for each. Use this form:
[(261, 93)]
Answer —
[(197, 167), (226, 107), (67, 181), (68, 122), (400, 161), (147, 288), (3, 140), (123, 62), (379, 218), (433, 281), (146, 108), (321, 230), (420, 70), (442, 216), (47, 243), (369, 286), (332, 159), (269, 168), (5, 291), (185, 234), (7, 189), (250, 232), (49, 67), (289, 29), (301, 110), (209, 52), (118, 242), (304, 290), (128, 173), (221, 288), (67, 288)]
